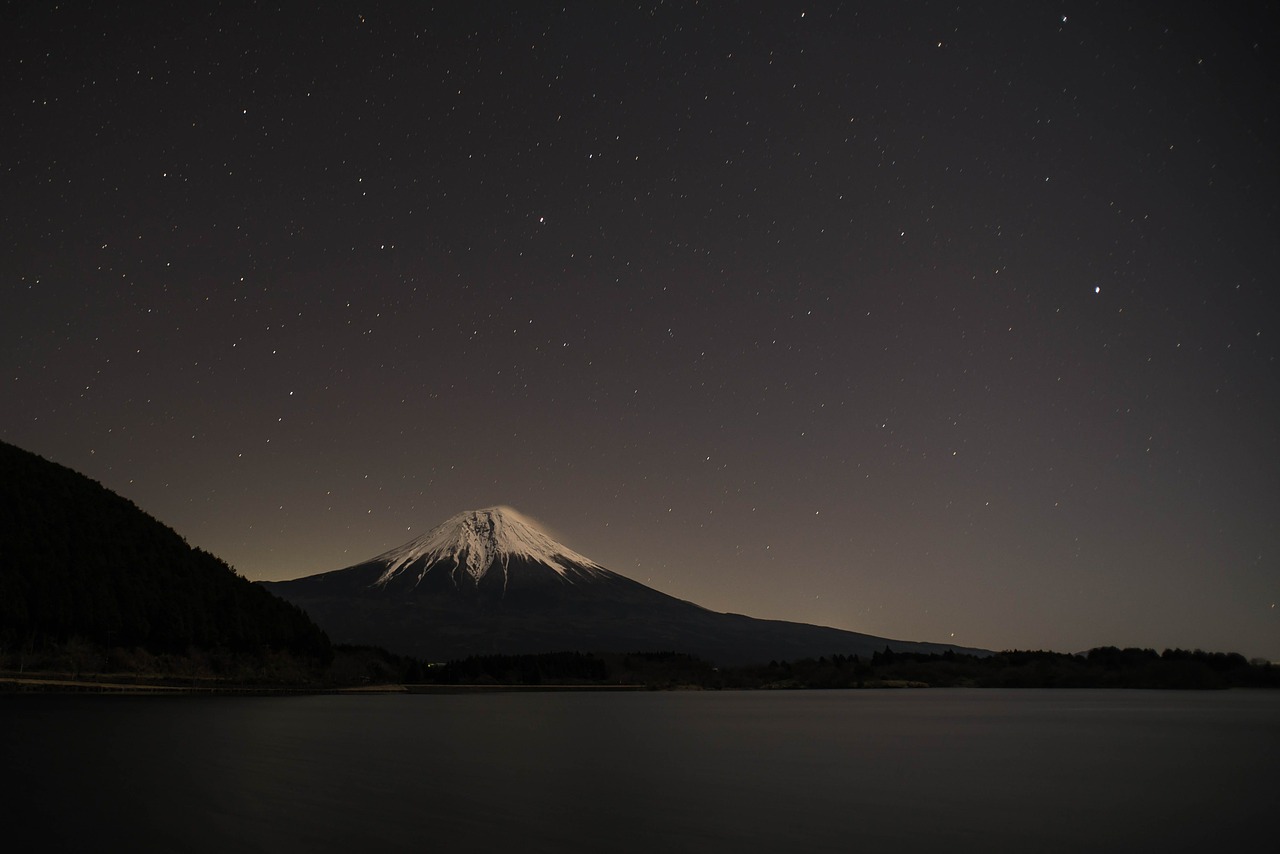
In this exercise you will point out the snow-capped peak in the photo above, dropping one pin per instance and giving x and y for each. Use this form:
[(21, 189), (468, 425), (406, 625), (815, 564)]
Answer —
[(476, 540)]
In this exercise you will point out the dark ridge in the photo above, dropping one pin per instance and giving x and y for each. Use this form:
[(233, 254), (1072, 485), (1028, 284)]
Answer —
[(78, 561), (431, 612)]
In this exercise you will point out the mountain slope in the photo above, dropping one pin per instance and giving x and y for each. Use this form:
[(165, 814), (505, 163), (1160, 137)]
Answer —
[(488, 581), (77, 560)]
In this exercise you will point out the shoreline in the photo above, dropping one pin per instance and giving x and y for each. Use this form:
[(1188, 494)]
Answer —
[(12, 685), (70, 685)]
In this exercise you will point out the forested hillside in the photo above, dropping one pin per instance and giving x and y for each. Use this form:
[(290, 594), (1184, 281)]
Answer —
[(79, 561)]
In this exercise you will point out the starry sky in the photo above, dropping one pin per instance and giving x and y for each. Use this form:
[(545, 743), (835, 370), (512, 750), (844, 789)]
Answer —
[(938, 321)]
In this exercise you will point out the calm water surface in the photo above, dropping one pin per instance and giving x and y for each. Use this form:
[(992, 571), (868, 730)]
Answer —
[(892, 771)]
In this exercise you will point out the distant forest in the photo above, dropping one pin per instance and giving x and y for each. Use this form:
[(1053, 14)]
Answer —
[(80, 564), (1106, 667)]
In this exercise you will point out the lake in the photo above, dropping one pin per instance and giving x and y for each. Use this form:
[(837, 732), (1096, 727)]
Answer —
[(867, 771)]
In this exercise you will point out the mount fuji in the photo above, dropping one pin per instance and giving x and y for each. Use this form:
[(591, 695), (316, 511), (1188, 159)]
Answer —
[(491, 581)]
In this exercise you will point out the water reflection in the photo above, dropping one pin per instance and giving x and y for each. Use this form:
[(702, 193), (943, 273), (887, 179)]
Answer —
[(751, 771)]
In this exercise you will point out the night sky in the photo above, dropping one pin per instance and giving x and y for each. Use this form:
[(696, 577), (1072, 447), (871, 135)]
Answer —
[(938, 321)]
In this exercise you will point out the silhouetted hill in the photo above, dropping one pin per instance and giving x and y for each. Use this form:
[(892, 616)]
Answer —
[(490, 582), (79, 561)]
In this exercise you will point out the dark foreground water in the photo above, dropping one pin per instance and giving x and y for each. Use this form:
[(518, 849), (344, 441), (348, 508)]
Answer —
[(894, 771)]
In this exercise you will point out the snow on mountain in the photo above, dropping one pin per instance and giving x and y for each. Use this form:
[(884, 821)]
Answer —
[(491, 582), (475, 541)]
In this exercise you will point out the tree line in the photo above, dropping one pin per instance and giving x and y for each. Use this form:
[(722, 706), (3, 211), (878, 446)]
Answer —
[(80, 563), (1104, 667)]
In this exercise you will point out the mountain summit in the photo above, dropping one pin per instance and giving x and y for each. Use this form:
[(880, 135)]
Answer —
[(473, 544), (491, 581)]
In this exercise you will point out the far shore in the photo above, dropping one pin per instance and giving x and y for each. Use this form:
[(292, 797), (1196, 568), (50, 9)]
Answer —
[(62, 684), (37, 684)]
